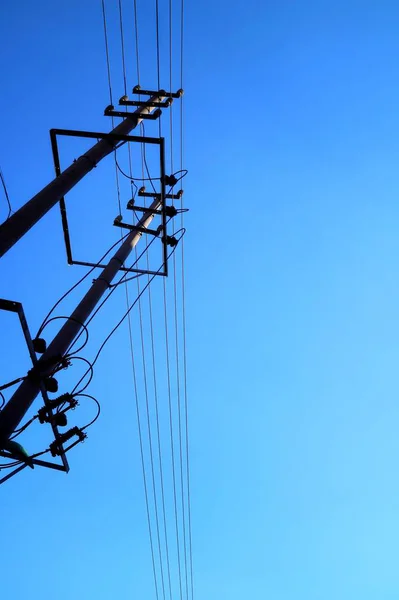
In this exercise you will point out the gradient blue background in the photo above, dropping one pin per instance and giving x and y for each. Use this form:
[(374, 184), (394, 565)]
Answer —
[(292, 256)]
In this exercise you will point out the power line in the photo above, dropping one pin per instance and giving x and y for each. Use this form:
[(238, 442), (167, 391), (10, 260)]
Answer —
[(141, 447), (136, 31), (157, 36), (171, 435), (158, 432), (122, 46), (107, 51), (6, 195), (118, 171), (177, 357), (146, 394), (132, 184), (185, 391)]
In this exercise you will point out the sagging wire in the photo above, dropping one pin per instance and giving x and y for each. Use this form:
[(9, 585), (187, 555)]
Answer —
[(78, 283), (89, 371), (149, 178), (84, 327), (80, 395), (136, 178)]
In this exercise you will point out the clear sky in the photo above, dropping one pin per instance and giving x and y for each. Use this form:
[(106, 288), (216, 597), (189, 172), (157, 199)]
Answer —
[(292, 254)]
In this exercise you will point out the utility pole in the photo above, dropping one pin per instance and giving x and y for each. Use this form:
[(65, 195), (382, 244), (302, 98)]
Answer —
[(26, 393), (28, 215)]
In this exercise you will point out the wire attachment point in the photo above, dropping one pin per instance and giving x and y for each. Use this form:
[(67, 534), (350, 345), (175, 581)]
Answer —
[(56, 446), (170, 241)]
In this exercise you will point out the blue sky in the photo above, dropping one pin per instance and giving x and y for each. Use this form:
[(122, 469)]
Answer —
[(292, 254)]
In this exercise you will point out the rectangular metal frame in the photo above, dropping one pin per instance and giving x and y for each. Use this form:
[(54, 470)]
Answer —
[(16, 307), (115, 138)]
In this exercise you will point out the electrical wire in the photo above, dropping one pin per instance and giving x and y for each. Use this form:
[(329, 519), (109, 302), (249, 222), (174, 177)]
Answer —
[(132, 348), (107, 51), (141, 442), (77, 284), (136, 32), (172, 435), (178, 390), (145, 380), (177, 362), (157, 38), (18, 432), (70, 318), (122, 46), (134, 190), (40, 453), (141, 445), (158, 430), (90, 371), (136, 178), (12, 464), (129, 305), (184, 171), (115, 285), (6, 195), (98, 409), (10, 384), (183, 305), (129, 309), (146, 395)]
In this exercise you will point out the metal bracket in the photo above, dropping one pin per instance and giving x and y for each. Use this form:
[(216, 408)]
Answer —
[(114, 138), (110, 112), (145, 194), (170, 211), (137, 90), (17, 308), (154, 232), (124, 101)]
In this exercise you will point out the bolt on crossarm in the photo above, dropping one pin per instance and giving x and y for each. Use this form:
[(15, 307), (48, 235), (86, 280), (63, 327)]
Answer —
[(30, 213), (26, 393)]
